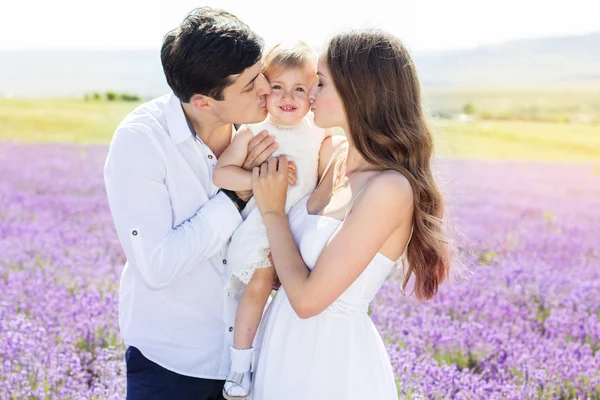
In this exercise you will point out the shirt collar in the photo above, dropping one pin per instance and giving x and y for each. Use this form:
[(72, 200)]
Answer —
[(176, 120)]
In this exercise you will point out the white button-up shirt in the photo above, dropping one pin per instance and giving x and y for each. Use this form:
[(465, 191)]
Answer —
[(174, 229)]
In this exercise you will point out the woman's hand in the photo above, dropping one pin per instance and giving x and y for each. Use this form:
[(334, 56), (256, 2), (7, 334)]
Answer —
[(260, 148), (269, 185)]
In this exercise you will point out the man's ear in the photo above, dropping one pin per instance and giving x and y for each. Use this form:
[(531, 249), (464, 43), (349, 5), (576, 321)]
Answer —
[(201, 102)]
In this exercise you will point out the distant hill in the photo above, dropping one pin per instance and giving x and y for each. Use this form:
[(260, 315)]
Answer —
[(557, 61), (69, 73)]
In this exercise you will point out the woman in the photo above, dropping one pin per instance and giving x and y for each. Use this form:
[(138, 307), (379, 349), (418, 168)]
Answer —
[(376, 204)]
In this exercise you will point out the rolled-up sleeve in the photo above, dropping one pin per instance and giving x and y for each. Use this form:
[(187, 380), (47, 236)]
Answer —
[(135, 174)]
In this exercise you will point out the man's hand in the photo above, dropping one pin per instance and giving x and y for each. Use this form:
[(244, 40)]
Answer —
[(260, 148)]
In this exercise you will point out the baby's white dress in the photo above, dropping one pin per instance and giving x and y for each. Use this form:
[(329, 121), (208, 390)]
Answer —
[(249, 247)]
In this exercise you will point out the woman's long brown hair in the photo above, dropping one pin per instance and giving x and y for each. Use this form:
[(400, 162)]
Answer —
[(377, 82)]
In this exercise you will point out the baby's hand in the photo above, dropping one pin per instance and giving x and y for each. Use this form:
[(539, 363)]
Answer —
[(292, 173)]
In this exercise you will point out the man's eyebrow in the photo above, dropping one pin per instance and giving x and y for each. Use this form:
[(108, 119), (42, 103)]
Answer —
[(252, 81)]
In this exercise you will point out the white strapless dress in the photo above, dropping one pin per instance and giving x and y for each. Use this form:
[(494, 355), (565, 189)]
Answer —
[(336, 355)]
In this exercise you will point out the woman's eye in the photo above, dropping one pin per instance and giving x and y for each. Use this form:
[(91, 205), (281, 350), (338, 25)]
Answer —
[(320, 84), (251, 88)]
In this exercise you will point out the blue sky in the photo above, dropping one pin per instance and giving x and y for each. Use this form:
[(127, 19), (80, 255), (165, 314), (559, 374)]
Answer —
[(424, 25)]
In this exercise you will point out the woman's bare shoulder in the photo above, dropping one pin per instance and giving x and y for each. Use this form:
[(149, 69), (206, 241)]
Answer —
[(393, 183), (388, 190), (394, 180), (329, 146)]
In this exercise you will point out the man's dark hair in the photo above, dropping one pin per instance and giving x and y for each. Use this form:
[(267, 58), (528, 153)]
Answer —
[(209, 45)]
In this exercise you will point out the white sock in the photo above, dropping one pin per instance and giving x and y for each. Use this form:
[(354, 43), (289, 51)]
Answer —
[(241, 359)]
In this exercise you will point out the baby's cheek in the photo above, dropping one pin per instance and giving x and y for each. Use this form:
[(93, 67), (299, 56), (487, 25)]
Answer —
[(303, 100), (271, 101), (272, 96)]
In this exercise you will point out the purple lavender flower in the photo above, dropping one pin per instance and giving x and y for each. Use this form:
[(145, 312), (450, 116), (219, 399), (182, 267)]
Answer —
[(523, 322)]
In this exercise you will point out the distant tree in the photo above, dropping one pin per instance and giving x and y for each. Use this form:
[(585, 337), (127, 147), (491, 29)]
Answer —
[(96, 96), (468, 109), (86, 97), (129, 97), (486, 115), (111, 96), (442, 115)]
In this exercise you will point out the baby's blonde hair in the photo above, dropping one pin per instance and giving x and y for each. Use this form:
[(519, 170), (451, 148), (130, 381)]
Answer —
[(286, 55)]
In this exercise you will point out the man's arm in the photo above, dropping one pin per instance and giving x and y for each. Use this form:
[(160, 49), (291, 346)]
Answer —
[(134, 175), (228, 173)]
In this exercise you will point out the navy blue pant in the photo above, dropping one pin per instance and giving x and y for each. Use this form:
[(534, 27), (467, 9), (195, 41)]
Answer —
[(149, 381)]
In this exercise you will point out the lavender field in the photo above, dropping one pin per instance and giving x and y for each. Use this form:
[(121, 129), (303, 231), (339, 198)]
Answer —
[(521, 321)]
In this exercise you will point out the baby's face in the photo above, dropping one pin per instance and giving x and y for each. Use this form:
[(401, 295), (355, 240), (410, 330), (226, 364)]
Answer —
[(288, 102)]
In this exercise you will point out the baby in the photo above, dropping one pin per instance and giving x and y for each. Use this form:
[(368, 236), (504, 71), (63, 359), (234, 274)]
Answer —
[(291, 71)]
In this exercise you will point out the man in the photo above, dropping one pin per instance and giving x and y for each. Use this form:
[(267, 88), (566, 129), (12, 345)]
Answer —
[(174, 224)]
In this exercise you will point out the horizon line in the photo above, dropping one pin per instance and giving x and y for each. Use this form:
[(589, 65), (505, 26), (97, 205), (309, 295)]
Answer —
[(421, 52)]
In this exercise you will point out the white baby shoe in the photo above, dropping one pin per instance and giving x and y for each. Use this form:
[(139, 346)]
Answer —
[(239, 381)]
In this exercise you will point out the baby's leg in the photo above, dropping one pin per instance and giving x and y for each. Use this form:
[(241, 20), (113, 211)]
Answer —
[(251, 306), (276, 281)]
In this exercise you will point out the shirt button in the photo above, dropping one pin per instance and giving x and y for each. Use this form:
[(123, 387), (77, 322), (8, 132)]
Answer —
[(224, 261), (210, 157), (231, 329), (134, 233)]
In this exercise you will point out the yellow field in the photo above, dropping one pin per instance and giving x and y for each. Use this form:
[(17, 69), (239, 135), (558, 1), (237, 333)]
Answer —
[(518, 140), (74, 121), (77, 121)]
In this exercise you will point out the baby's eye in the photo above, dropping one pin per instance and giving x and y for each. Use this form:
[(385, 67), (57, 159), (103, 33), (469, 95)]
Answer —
[(300, 89), (276, 87)]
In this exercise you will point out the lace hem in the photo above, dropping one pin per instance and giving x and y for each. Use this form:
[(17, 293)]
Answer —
[(345, 308), (246, 272)]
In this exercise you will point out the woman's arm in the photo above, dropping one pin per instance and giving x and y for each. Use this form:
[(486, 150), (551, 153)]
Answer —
[(228, 173), (350, 249)]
